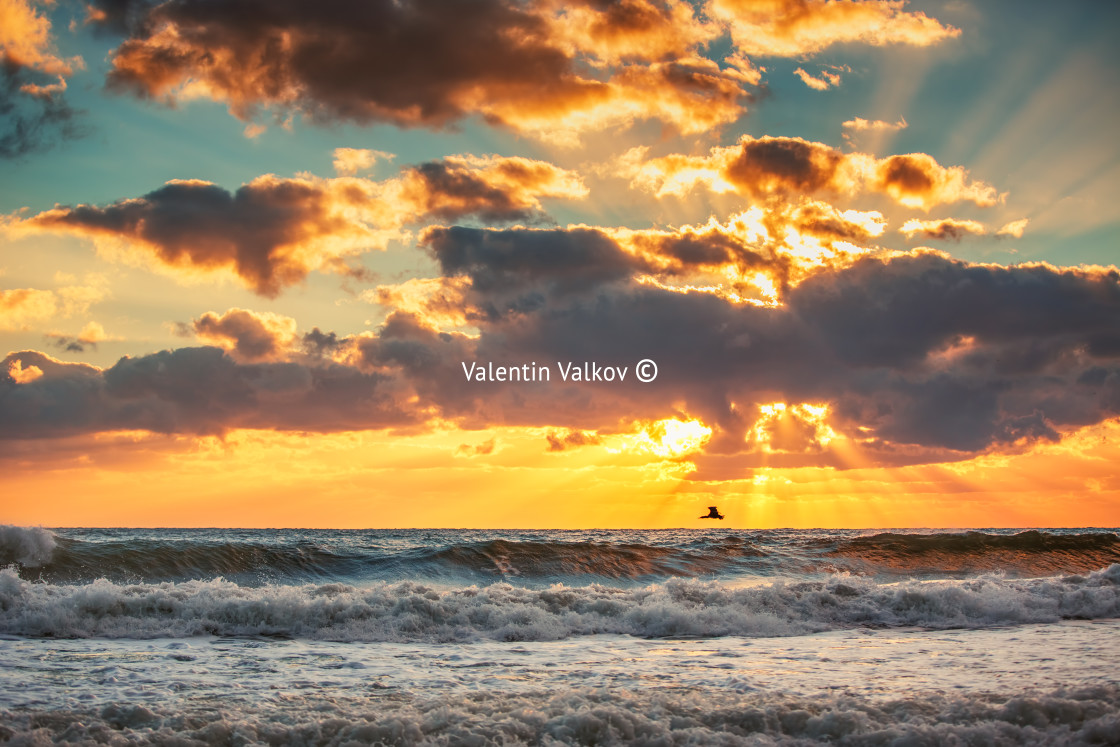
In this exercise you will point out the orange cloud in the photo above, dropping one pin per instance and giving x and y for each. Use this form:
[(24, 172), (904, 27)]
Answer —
[(768, 166), (1014, 229), (22, 308), (756, 255), (25, 41), (917, 180), (944, 228), (825, 81), (21, 375), (349, 161), (487, 58), (797, 28), (438, 302), (614, 32)]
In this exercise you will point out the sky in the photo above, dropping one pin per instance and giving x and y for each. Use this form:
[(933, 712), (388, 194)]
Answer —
[(257, 259)]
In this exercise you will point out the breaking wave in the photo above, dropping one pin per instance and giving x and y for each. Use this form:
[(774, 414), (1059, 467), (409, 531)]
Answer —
[(411, 611), (460, 557)]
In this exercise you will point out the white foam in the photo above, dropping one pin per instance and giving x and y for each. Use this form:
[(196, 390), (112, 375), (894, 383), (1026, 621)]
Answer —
[(409, 611), (597, 717)]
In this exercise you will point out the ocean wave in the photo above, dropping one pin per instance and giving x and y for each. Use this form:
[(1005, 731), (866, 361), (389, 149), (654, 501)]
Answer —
[(67, 559), (574, 716), (30, 547), (460, 557), (411, 611), (625, 560), (1031, 552)]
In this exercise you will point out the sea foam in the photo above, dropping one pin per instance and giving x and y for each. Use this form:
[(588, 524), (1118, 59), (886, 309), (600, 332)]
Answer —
[(410, 611)]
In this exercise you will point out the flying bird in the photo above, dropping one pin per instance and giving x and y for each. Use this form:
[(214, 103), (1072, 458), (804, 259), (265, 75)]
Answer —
[(713, 513)]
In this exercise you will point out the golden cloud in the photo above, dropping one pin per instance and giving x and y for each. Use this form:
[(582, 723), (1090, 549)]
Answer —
[(797, 28), (944, 228), (1014, 229), (777, 166), (22, 308), (350, 161), (25, 41)]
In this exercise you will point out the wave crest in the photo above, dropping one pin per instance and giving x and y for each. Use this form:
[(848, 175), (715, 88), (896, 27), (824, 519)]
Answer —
[(1028, 553), (408, 611), (30, 547)]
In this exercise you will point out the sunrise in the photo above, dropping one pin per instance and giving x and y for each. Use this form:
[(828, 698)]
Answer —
[(635, 325)]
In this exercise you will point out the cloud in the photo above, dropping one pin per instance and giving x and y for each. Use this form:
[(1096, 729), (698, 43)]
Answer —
[(883, 358), (272, 232), (249, 336), (1014, 229), (493, 188), (613, 32), (953, 229), (349, 161), (853, 129), (197, 391), (89, 336), (859, 124), (799, 28), (571, 440), (825, 81), (783, 166), (33, 76), (482, 449), (23, 308), (917, 180), (21, 375), (422, 63), (25, 41), (910, 352), (438, 301)]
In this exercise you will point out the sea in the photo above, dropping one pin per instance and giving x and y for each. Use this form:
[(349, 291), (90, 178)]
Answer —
[(606, 637)]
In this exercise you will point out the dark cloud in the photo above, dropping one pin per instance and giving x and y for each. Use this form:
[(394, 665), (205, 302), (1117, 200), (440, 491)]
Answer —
[(266, 232), (516, 269), (117, 16), (248, 335), (408, 63), (272, 232), (770, 165), (318, 343), (201, 391), (919, 358), (431, 63), (70, 344), (33, 123)]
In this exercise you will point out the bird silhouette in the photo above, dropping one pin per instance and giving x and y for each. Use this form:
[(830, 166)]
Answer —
[(713, 513)]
